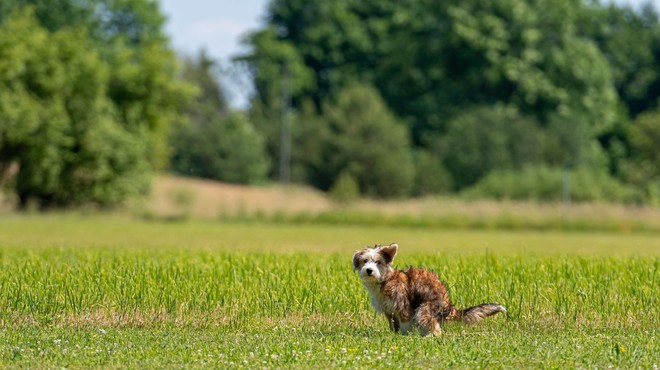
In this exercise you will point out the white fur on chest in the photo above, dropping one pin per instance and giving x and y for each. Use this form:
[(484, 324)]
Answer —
[(379, 301), (382, 304)]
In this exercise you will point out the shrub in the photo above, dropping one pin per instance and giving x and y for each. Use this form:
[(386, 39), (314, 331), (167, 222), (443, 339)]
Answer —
[(546, 184), (346, 189), (367, 141), (431, 176), (642, 169), (226, 149), (489, 138)]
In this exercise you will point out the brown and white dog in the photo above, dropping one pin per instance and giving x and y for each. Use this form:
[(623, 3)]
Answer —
[(412, 298)]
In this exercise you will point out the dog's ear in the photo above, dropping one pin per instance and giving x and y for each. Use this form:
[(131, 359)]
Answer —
[(356, 258), (389, 252)]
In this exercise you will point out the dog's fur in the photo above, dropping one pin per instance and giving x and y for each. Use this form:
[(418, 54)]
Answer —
[(412, 298)]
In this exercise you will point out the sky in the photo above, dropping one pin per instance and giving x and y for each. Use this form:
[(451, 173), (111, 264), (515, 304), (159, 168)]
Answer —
[(218, 27)]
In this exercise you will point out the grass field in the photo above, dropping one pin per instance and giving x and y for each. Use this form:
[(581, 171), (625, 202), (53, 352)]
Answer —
[(95, 291)]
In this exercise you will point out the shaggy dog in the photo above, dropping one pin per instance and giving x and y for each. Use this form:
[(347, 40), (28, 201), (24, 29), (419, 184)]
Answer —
[(411, 298)]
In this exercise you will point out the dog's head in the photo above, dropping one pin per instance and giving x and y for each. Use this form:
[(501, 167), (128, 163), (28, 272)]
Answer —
[(372, 264)]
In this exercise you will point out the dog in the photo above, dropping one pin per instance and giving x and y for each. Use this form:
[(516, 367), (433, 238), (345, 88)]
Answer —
[(412, 298)]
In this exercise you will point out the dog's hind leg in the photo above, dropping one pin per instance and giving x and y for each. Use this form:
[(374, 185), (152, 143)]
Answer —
[(426, 319)]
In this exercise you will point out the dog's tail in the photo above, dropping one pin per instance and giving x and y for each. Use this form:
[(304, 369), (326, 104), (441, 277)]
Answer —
[(474, 314)]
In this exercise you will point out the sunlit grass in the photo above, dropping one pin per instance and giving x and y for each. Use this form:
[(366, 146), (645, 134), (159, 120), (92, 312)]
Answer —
[(129, 233), (103, 291)]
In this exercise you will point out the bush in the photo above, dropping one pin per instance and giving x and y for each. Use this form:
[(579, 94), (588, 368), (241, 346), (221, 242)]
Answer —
[(346, 189), (226, 149), (431, 175), (489, 138), (642, 169), (59, 130), (546, 184), (369, 143)]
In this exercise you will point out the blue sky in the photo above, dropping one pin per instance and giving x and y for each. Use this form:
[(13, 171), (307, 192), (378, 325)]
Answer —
[(219, 25)]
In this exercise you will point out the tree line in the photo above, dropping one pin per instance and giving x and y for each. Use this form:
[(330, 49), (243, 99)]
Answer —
[(477, 94), (384, 99)]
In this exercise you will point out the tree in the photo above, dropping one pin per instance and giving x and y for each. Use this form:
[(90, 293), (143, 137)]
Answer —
[(215, 143), (630, 40), (53, 14), (106, 21), (273, 64), (223, 148), (311, 133), (85, 118), (488, 138), (431, 60), (642, 168), (56, 124), (367, 143)]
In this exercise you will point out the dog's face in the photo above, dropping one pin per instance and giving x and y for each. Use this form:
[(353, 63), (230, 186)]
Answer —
[(372, 264)]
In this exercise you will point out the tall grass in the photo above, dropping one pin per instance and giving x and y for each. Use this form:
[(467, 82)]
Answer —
[(120, 293), (226, 288)]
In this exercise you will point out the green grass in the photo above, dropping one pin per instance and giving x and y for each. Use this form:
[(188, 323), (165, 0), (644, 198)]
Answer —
[(113, 292), (548, 220)]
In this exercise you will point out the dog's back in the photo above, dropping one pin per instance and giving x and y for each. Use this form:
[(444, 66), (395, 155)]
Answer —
[(425, 287), (411, 297)]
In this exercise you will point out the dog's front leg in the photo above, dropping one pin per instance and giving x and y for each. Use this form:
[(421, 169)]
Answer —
[(393, 321)]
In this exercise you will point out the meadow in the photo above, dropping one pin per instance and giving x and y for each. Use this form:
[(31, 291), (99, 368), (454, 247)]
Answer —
[(112, 291)]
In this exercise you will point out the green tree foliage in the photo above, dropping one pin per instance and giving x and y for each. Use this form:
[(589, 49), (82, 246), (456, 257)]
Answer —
[(56, 123), (431, 60), (310, 135), (367, 143), (542, 183), (84, 118), (630, 40), (225, 148), (215, 143), (484, 139), (105, 21), (643, 166), (345, 189), (570, 71), (274, 64), (53, 14), (431, 175)]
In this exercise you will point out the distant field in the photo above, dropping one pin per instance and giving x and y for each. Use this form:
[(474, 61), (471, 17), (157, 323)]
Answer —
[(91, 291), (183, 198)]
